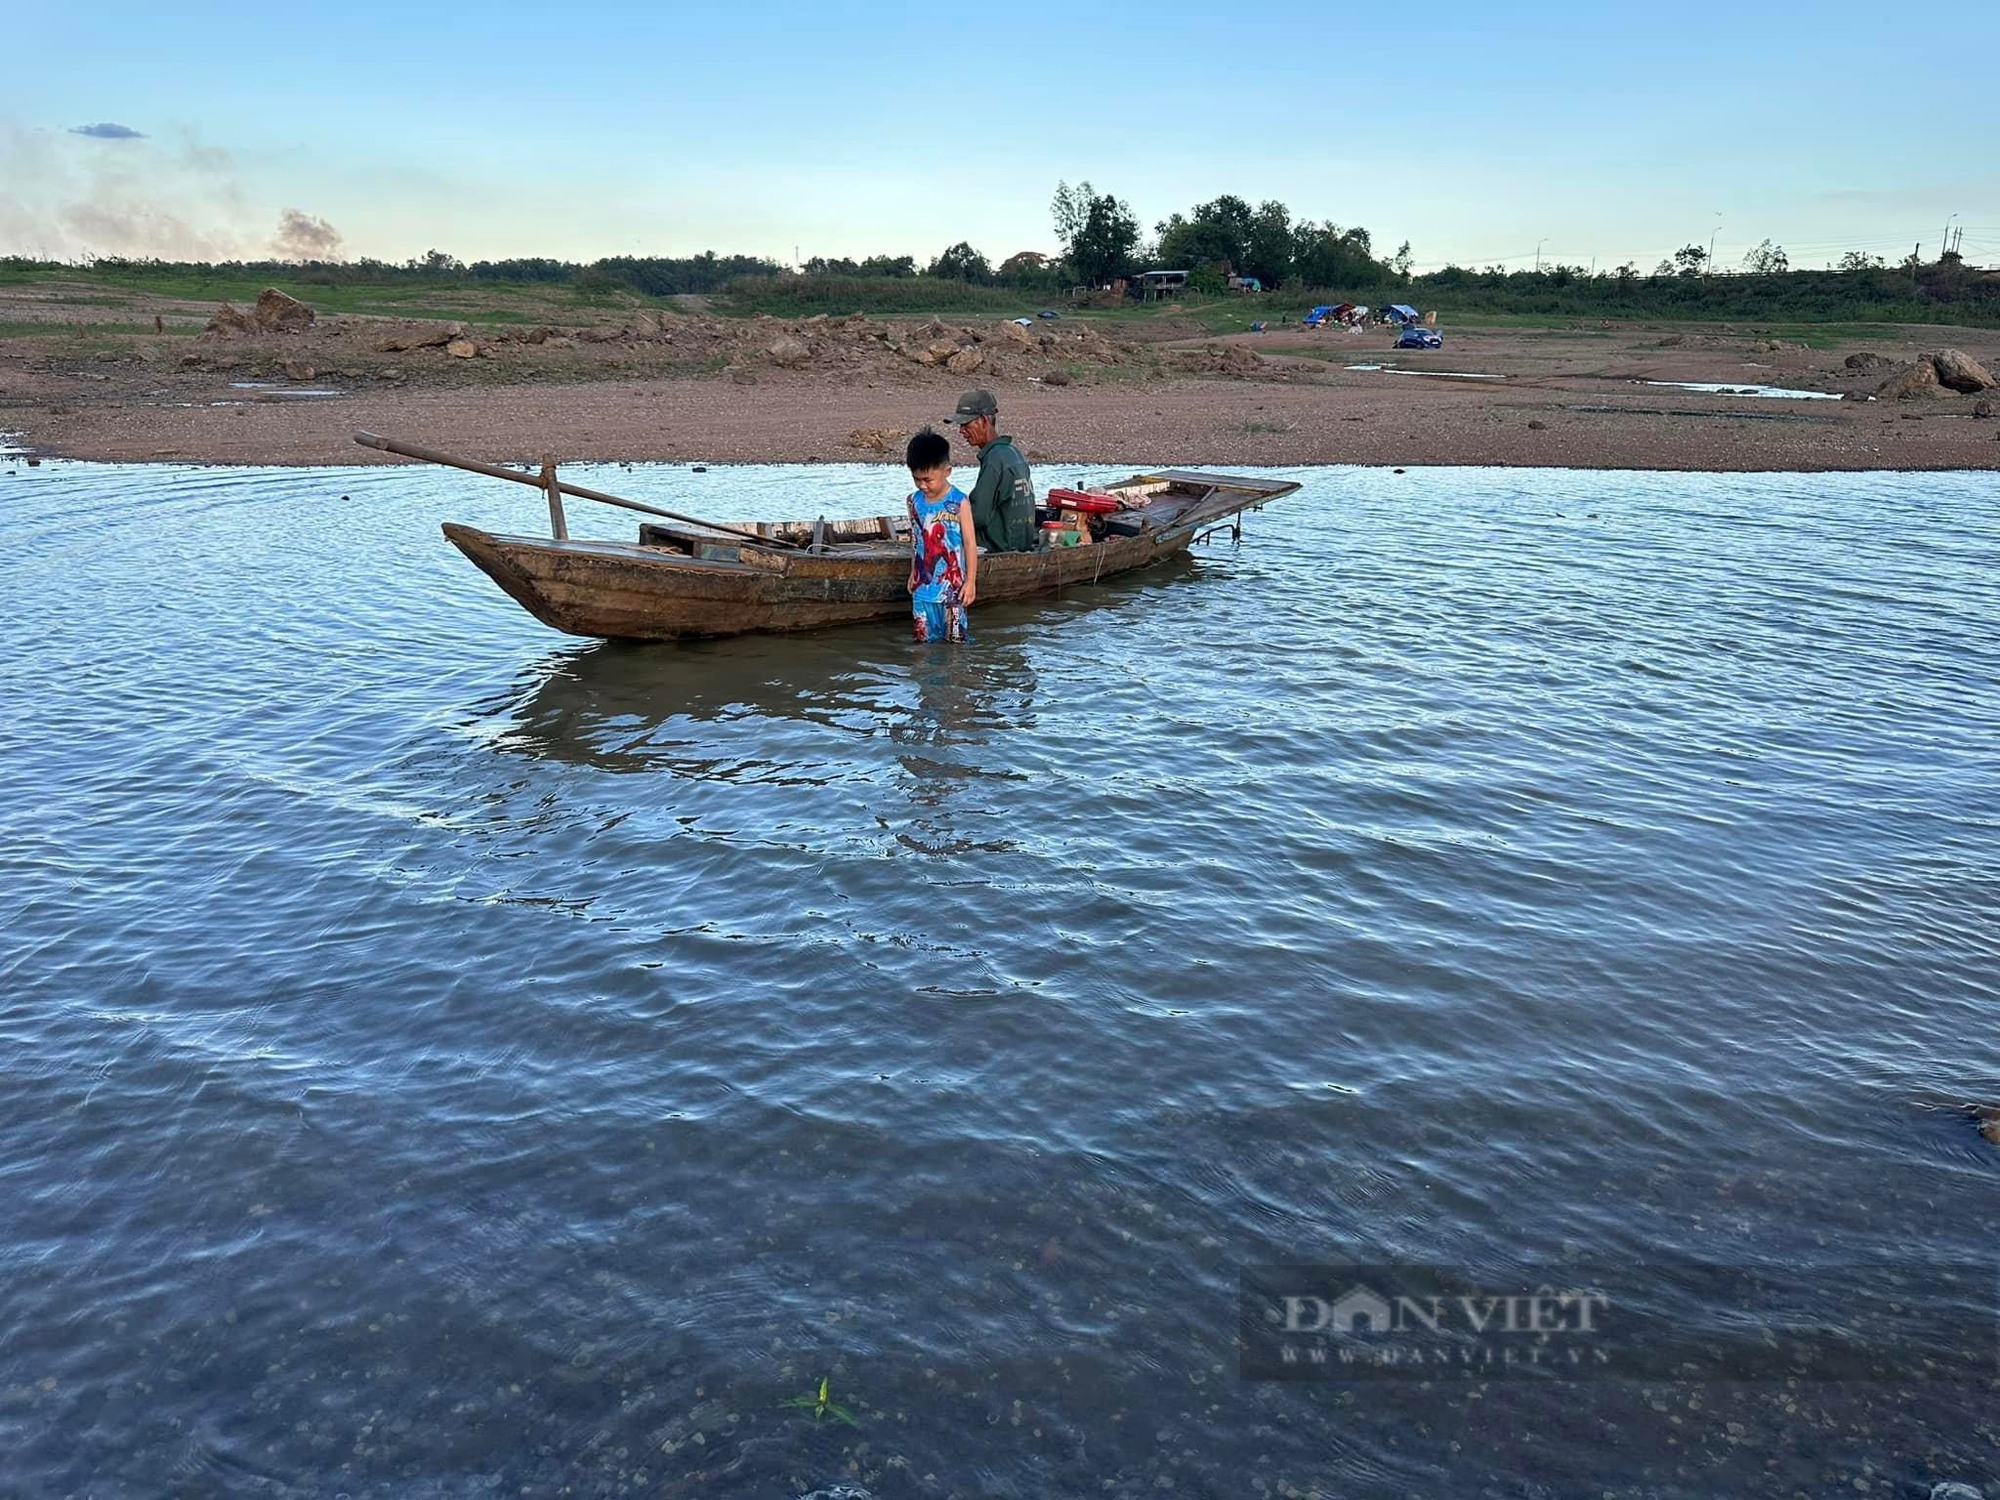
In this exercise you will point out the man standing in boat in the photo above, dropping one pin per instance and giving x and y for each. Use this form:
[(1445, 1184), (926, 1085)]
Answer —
[(1003, 497)]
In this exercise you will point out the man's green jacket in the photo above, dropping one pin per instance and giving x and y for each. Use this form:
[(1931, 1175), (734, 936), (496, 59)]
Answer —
[(1003, 499)]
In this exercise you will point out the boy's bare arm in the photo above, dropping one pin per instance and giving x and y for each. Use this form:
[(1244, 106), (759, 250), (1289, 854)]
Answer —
[(971, 550)]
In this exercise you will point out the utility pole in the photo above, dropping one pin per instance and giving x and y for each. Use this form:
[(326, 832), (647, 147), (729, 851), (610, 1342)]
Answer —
[(1538, 255), (1708, 266)]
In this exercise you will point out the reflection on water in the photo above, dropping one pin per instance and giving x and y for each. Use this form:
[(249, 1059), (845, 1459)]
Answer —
[(969, 706), (446, 1058), (641, 709)]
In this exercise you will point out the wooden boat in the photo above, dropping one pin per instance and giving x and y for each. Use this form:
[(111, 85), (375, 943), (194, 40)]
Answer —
[(688, 578)]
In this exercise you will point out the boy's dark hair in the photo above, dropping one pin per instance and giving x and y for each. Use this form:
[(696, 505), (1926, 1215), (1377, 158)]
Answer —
[(928, 450)]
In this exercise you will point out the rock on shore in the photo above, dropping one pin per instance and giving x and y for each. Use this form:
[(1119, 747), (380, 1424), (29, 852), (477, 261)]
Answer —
[(228, 322), (275, 312), (421, 336), (278, 312), (1942, 373), (1961, 372)]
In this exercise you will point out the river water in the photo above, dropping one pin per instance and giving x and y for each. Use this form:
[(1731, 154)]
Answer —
[(444, 1058)]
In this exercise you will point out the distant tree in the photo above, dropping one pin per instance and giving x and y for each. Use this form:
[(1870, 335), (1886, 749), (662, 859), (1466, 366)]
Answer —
[(889, 265), (961, 263), (819, 265), (1098, 232), (1860, 260), (1173, 245), (1070, 208), (1267, 245), (1626, 273), (1211, 280), (661, 276), (526, 270), (1325, 255), (1213, 233), (1766, 260), (1028, 270), (435, 263), (1689, 260), (1402, 261)]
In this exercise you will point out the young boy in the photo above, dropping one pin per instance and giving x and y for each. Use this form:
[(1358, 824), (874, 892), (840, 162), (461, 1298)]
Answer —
[(944, 559)]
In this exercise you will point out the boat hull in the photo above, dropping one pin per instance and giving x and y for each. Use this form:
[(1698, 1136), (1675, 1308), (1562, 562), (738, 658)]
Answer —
[(623, 592), (680, 583)]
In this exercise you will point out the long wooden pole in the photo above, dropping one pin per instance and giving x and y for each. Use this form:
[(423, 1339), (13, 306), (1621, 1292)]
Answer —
[(494, 471)]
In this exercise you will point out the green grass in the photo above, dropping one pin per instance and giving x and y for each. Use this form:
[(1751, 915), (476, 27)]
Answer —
[(1281, 314), (1829, 335), (471, 302), (1474, 307), (1809, 309)]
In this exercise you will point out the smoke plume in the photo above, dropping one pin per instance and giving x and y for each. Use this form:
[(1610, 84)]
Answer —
[(302, 237), (107, 190)]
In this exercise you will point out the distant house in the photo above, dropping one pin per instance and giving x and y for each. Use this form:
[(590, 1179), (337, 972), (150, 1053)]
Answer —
[(1156, 284)]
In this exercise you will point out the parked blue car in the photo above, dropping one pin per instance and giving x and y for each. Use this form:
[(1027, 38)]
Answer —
[(1417, 337)]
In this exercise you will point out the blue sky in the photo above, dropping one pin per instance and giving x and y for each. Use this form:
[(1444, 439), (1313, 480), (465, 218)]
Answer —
[(1478, 133)]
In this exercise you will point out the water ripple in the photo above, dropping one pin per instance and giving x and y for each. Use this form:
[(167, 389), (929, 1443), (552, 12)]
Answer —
[(443, 1056)]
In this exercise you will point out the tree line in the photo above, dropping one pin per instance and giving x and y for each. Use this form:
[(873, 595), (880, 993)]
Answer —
[(1102, 241)]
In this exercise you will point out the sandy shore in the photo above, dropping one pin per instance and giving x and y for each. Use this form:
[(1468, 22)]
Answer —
[(1578, 398)]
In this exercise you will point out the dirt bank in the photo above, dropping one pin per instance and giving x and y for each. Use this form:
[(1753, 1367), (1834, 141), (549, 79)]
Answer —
[(660, 386)]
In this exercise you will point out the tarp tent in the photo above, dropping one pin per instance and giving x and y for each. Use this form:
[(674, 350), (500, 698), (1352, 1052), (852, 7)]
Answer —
[(1402, 312)]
